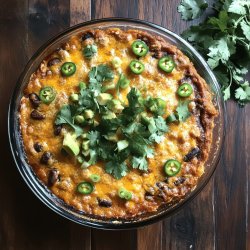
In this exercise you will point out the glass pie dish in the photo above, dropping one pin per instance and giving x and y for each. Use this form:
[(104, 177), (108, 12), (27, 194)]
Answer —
[(43, 193)]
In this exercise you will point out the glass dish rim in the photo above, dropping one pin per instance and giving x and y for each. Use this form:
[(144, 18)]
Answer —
[(128, 224)]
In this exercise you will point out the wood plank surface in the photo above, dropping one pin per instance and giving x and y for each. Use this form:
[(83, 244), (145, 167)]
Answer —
[(218, 218)]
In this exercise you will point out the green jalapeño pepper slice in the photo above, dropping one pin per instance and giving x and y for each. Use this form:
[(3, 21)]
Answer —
[(47, 95), (85, 187), (172, 167), (185, 90), (95, 177), (124, 194), (68, 69), (166, 64), (136, 67), (139, 48)]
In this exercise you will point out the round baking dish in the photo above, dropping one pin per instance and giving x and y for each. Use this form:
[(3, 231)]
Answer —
[(43, 193)]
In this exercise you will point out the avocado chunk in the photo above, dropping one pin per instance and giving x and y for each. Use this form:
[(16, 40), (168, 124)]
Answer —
[(88, 114), (111, 137), (115, 106), (70, 144), (109, 115), (103, 98), (122, 145)]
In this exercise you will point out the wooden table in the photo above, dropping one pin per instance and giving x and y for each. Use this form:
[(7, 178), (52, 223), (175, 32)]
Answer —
[(216, 219)]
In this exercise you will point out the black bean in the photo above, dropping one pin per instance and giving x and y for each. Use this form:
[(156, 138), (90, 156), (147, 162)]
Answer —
[(53, 177), (36, 115), (104, 203), (87, 35), (38, 147), (34, 99), (57, 129), (46, 157), (53, 61), (179, 181), (193, 153)]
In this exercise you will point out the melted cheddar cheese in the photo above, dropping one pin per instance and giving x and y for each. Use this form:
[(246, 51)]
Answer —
[(150, 189)]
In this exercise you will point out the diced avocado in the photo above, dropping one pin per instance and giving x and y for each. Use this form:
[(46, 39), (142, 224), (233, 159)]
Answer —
[(144, 118), (122, 144), (85, 145), (88, 114), (111, 137), (86, 153), (116, 62), (84, 135), (85, 164), (79, 119), (109, 115), (151, 126), (74, 97), (95, 123), (108, 86), (115, 106), (80, 159), (70, 144), (103, 98)]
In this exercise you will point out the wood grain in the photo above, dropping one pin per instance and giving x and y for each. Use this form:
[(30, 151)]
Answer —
[(231, 193), (80, 11), (218, 218)]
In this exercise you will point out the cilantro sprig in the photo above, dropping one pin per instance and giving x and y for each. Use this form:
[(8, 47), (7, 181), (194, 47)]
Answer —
[(224, 40)]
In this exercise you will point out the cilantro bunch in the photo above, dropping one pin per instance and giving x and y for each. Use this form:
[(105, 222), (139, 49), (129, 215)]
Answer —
[(224, 41)]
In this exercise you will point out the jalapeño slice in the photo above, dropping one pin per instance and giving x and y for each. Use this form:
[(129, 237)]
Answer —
[(166, 64), (47, 95), (172, 167), (68, 69), (124, 194), (185, 90), (95, 177), (136, 67), (139, 48), (85, 187)]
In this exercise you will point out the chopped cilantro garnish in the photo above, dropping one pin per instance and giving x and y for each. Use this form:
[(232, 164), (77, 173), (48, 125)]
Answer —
[(183, 111), (65, 116), (122, 140), (89, 51)]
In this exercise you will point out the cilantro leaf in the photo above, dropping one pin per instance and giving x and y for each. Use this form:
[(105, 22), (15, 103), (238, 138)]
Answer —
[(65, 116), (100, 74), (219, 50), (224, 40), (183, 111), (220, 22), (90, 50), (243, 93), (117, 169), (246, 29), (140, 163), (191, 9), (239, 7)]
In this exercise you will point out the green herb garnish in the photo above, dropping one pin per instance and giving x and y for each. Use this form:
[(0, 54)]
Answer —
[(124, 135), (89, 51), (224, 40)]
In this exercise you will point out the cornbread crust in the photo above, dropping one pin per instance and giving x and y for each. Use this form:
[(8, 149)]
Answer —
[(150, 190)]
